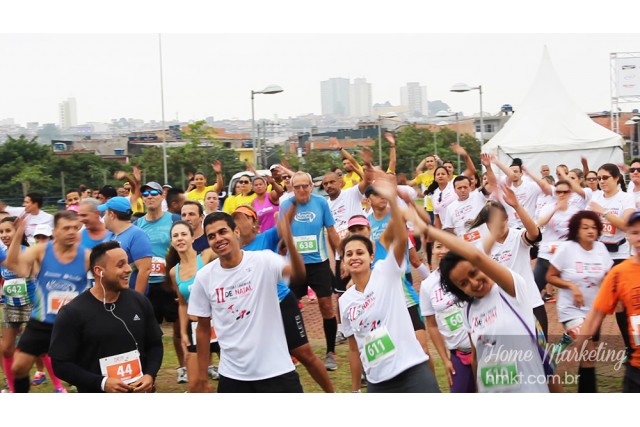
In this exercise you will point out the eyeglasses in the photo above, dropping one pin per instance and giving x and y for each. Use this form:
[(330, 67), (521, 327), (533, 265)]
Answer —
[(339, 173), (632, 170), (563, 191), (286, 177), (150, 193), (244, 182), (301, 187), (603, 177), (592, 178)]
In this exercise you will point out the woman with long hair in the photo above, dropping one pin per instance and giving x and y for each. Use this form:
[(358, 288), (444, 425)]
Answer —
[(499, 318), (374, 313), (577, 269), (244, 197), (592, 181), (181, 278), (441, 192), (198, 184), (266, 203), (614, 207), (19, 294)]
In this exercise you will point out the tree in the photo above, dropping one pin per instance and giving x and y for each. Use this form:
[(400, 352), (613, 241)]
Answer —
[(17, 154), (31, 175)]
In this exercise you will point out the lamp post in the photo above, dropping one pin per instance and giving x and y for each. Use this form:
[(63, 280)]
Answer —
[(443, 113), (381, 117), (463, 87), (634, 121), (269, 90), (164, 132)]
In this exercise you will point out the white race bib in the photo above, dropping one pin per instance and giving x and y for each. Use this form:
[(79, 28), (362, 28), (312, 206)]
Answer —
[(125, 366), (378, 346), (57, 299), (306, 244)]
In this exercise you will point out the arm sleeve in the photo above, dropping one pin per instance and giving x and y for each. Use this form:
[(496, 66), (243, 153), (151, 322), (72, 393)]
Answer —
[(64, 349), (141, 246), (558, 258), (426, 306), (199, 305)]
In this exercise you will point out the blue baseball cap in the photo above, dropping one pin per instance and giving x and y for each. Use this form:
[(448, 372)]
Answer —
[(120, 204)]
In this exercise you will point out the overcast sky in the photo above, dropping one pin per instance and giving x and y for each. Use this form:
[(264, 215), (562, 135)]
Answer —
[(214, 58)]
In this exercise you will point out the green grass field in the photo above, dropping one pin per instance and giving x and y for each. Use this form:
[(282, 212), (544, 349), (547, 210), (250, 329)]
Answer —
[(608, 382)]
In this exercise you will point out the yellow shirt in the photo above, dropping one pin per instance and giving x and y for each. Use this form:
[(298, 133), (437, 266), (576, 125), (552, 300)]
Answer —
[(350, 179), (426, 179), (232, 202), (197, 195)]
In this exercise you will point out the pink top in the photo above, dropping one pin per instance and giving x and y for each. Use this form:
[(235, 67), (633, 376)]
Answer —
[(266, 212)]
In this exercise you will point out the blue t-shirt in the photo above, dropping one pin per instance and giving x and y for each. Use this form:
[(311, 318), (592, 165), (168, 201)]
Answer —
[(308, 227), (200, 244), (57, 284), (378, 226), (90, 243), (269, 240), (159, 232), (410, 295), (137, 245)]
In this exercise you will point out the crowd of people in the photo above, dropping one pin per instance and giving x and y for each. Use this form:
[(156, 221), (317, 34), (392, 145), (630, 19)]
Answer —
[(84, 291)]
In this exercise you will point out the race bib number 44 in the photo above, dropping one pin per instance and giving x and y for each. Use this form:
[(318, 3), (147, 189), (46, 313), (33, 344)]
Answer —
[(125, 366), (306, 244)]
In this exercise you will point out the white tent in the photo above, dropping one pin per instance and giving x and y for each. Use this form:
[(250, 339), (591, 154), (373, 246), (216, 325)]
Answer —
[(548, 128)]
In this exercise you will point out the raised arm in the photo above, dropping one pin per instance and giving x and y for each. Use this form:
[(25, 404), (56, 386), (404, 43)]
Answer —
[(217, 168), (508, 172), (385, 188), (22, 262), (509, 197), (367, 177), (497, 272), (585, 165), (335, 144), (492, 180), (295, 270), (470, 170), (544, 185), (573, 183)]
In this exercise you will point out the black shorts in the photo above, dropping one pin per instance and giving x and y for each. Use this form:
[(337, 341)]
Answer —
[(285, 383), (319, 278), (339, 284), (214, 347), (293, 323), (165, 306), (416, 320), (36, 338)]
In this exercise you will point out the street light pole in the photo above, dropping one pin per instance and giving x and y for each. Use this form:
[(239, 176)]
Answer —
[(463, 87), (269, 90), (164, 132)]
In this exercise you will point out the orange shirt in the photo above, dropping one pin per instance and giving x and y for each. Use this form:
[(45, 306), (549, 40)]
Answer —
[(622, 284)]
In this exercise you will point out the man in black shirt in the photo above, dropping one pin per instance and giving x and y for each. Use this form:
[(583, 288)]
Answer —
[(107, 338)]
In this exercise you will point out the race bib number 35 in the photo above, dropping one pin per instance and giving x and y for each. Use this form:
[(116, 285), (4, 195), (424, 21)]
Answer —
[(125, 366), (157, 266), (306, 244)]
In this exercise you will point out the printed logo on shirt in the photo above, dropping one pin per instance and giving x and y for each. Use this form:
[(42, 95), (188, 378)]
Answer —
[(239, 313), (305, 216), (356, 310), (484, 319), (136, 317), (503, 257)]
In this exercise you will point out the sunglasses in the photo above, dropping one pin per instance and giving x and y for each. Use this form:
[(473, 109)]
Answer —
[(603, 177), (301, 187), (563, 191), (592, 178), (286, 177), (632, 170), (244, 182), (150, 193)]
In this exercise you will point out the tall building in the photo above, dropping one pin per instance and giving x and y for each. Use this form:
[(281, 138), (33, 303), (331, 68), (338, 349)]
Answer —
[(414, 97), (68, 113), (360, 98), (335, 96)]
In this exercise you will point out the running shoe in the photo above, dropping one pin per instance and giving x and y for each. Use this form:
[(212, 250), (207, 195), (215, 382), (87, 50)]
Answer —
[(340, 338), (60, 390), (39, 378), (213, 372), (330, 362), (182, 375)]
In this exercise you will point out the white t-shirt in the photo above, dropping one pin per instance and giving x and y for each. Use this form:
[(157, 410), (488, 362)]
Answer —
[(244, 307), (527, 194), (413, 194), (32, 221), (555, 231), (448, 314), (616, 205), (503, 346), (513, 253), (382, 310), (586, 269), (285, 196), (543, 200), (636, 194), (347, 204), (459, 212), (440, 199)]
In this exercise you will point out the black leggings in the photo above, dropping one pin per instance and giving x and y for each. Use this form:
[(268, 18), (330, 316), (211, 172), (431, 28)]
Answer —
[(540, 272)]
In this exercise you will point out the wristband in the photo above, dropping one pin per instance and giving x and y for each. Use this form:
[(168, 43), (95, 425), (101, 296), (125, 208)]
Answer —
[(423, 270), (103, 383)]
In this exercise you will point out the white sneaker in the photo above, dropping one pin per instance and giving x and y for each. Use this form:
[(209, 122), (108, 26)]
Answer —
[(182, 375), (213, 372)]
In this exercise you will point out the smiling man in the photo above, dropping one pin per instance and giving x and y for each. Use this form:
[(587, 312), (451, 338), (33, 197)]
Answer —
[(107, 338), (238, 292)]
